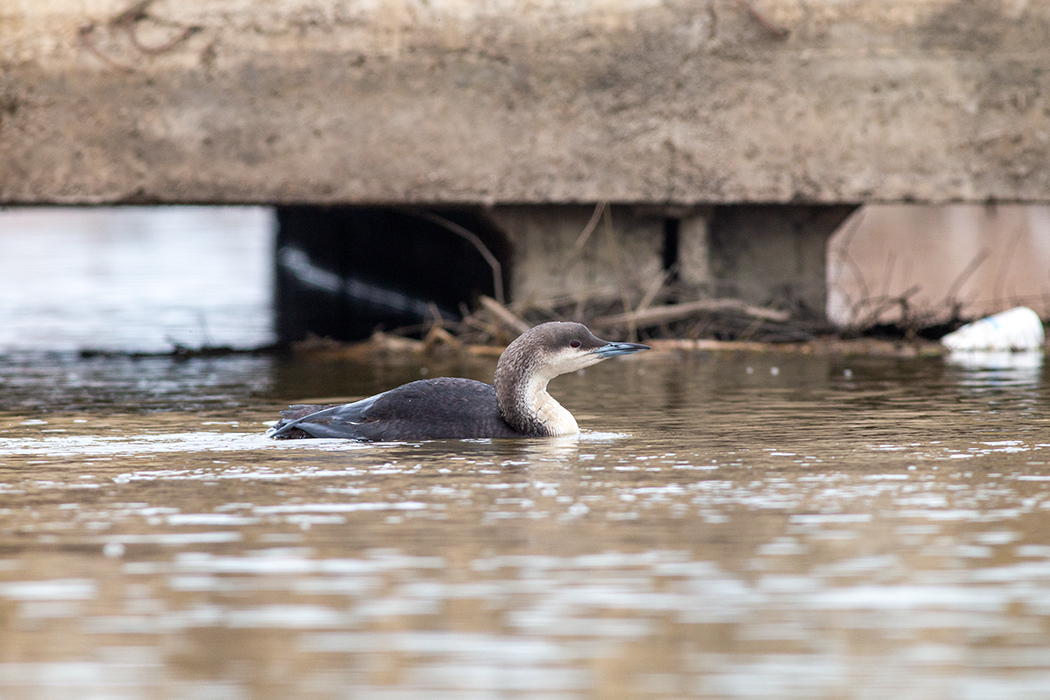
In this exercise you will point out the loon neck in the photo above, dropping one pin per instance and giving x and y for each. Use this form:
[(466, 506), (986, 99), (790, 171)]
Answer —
[(525, 405), (545, 409)]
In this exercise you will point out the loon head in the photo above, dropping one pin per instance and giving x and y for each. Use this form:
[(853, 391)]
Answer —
[(539, 355), (554, 348)]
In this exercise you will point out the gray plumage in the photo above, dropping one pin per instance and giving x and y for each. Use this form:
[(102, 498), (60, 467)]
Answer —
[(447, 407), (468, 410)]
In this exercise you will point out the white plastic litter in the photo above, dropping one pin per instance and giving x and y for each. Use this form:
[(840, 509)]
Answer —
[(1018, 329)]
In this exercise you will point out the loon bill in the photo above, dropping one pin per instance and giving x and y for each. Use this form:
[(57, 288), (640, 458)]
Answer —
[(516, 404)]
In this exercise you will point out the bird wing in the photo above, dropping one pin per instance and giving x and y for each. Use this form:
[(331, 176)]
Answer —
[(315, 419), (428, 409)]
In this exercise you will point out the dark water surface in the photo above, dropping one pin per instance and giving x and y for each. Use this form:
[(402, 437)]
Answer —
[(728, 525)]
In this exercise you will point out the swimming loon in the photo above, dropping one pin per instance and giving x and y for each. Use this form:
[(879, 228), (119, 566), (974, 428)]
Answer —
[(517, 405)]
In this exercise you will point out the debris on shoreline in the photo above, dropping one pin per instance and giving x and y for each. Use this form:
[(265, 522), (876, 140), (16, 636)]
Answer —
[(698, 326), (386, 346), (179, 351), (705, 325)]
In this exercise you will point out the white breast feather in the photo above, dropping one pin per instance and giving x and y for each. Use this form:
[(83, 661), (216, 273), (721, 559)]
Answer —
[(553, 415)]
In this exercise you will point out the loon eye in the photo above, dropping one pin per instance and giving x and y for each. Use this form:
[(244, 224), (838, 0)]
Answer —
[(574, 344)]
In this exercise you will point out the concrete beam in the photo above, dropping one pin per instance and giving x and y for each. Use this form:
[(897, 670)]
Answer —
[(553, 101)]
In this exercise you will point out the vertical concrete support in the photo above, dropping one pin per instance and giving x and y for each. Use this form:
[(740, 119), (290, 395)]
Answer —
[(694, 250), (564, 251), (764, 254)]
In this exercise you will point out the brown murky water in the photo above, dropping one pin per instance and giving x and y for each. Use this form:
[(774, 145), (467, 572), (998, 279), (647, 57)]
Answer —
[(727, 526)]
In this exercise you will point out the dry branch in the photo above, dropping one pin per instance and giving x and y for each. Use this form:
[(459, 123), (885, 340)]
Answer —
[(679, 312), (504, 315), (437, 337)]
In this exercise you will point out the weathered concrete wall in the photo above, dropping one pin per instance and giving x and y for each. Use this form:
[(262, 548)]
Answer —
[(562, 252), (534, 101)]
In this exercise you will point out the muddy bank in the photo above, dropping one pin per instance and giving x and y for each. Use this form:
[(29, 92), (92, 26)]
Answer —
[(384, 347)]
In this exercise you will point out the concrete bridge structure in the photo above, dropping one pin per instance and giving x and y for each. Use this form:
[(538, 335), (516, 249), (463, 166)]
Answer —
[(731, 137)]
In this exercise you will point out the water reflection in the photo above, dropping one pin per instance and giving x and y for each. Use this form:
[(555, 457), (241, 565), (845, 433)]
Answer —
[(135, 278), (728, 525), (1013, 368)]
